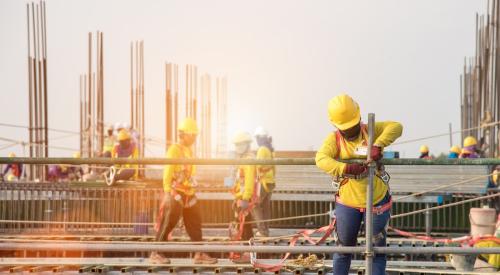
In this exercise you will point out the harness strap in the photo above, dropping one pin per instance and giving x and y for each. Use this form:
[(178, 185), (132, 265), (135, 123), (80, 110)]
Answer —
[(376, 209)]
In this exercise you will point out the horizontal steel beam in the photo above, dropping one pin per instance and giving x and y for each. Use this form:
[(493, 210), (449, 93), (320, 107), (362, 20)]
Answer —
[(287, 161), (240, 248)]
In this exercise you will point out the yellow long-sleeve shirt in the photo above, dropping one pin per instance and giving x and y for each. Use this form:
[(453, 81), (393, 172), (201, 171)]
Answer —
[(245, 181), (266, 172), (181, 174), (353, 193)]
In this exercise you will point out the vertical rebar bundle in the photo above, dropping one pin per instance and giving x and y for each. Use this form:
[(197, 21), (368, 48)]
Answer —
[(221, 94), (137, 120), (92, 101), (479, 83), (37, 86)]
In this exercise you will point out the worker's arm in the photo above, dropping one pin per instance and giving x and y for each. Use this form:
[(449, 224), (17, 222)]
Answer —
[(249, 182), (325, 157), (387, 132), (135, 155), (169, 169)]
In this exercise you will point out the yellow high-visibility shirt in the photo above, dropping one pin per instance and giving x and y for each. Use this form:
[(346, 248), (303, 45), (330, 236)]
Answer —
[(245, 181), (109, 144), (266, 172), (353, 193), (181, 174)]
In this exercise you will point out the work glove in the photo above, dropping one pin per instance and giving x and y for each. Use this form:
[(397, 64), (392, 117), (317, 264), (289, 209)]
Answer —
[(376, 153), (243, 205), (355, 169)]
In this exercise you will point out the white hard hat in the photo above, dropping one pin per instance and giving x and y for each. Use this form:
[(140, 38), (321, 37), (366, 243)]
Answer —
[(260, 132), (118, 125), (242, 137)]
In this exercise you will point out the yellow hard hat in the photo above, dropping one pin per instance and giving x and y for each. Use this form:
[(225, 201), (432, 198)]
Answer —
[(470, 141), (11, 178), (455, 149), (123, 135), (77, 155), (12, 155), (424, 149), (343, 112), (188, 126), (242, 137)]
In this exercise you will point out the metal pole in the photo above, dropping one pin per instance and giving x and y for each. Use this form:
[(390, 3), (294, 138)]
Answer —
[(451, 135), (369, 254), (428, 220)]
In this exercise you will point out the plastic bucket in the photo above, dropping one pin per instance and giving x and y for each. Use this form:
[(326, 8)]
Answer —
[(463, 262), (482, 221)]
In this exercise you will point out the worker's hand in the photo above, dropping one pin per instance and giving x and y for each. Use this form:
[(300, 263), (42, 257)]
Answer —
[(376, 153), (355, 169), (243, 204)]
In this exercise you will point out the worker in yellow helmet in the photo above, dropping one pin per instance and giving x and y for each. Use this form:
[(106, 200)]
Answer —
[(470, 148), (454, 152), (424, 152), (246, 192), (109, 143), (349, 142), (180, 195), (265, 175), (126, 148), (16, 169)]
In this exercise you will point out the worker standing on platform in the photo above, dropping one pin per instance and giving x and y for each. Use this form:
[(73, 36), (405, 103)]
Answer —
[(424, 152), (454, 152), (126, 148), (350, 141), (109, 143), (180, 196), (245, 191), (470, 148), (16, 169), (265, 175)]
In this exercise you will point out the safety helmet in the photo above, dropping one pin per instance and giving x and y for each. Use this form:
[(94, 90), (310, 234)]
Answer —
[(188, 126), (343, 112), (118, 126), (77, 155), (470, 141), (260, 132), (12, 155), (123, 135), (110, 127), (242, 137), (455, 149), (424, 149)]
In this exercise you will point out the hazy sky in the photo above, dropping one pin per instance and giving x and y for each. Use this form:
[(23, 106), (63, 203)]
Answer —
[(284, 60)]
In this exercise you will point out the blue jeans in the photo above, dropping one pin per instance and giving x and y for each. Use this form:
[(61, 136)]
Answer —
[(347, 228)]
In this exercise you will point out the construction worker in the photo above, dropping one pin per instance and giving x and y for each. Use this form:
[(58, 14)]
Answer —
[(265, 175), (180, 195), (424, 152), (109, 143), (75, 172), (245, 191), (454, 152), (58, 173), (16, 169), (470, 148), (348, 142), (126, 148)]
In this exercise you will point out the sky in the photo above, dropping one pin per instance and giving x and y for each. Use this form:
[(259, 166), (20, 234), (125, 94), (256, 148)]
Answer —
[(283, 60)]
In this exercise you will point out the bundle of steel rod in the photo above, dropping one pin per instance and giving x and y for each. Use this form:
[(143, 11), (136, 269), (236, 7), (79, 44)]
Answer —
[(479, 84), (92, 101), (221, 94), (137, 120), (37, 86)]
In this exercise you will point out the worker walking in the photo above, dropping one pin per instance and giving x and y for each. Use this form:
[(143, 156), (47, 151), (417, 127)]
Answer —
[(245, 191), (424, 152), (16, 169), (126, 148), (179, 195), (348, 142), (454, 152), (265, 175), (470, 148)]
